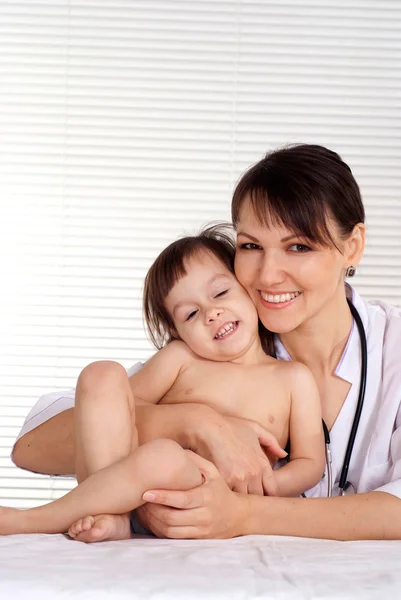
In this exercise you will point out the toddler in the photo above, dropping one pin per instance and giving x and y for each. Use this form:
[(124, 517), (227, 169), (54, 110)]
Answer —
[(207, 329)]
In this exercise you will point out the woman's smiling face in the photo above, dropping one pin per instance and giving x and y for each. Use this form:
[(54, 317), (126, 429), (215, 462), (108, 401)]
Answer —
[(289, 279), (300, 222)]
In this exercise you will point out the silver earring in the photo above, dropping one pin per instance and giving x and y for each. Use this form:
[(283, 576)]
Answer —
[(350, 272)]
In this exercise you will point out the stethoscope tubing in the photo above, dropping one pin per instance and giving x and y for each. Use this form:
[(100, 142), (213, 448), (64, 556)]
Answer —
[(328, 459), (343, 483)]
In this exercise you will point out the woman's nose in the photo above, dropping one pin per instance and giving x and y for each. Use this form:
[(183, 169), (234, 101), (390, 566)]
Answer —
[(271, 270)]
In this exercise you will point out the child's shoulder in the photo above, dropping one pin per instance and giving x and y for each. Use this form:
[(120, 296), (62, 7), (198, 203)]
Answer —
[(295, 371), (178, 350)]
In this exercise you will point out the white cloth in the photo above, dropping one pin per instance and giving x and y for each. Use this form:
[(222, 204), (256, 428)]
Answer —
[(376, 457), (256, 567)]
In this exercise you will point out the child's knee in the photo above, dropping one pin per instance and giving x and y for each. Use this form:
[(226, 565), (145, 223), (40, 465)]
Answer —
[(169, 464), (164, 452), (100, 374)]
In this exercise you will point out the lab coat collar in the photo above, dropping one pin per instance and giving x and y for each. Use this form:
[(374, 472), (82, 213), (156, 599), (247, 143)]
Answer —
[(349, 365)]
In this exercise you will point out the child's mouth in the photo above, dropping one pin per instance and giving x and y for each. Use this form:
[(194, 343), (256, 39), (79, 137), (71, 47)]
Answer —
[(226, 330)]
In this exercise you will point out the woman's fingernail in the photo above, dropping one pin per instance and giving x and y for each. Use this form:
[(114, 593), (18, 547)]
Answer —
[(149, 497)]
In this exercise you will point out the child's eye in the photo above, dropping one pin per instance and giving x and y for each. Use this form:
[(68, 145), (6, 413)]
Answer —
[(300, 248), (249, 246), (191, 315), (221, 294)]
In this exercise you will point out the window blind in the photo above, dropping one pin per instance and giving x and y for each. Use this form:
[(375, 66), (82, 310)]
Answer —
[(125, 124)]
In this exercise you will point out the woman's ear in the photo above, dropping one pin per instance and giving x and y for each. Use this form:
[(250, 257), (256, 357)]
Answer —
[(355, 245)]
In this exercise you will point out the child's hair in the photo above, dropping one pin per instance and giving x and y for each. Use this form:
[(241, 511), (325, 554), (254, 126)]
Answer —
[(169, 267)]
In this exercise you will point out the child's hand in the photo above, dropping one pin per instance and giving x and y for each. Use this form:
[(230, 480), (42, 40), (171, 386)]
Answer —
[(269, 482)]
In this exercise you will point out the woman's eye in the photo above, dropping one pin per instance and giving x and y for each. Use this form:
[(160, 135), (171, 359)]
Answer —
[(191, 315), (249, 246), (300, 248), (221, 294)]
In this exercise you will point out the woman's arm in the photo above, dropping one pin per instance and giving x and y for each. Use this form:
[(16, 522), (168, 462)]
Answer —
[(213, 511), (49, 448), (372, 516), (234, 446)]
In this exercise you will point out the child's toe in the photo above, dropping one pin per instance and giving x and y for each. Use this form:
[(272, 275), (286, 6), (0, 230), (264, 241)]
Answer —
[(87, 523), (73, 530)]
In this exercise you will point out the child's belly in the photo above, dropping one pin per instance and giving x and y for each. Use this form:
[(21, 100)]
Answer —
[(252, 405)]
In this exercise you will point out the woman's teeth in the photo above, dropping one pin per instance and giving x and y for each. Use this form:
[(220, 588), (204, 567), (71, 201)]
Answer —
[(277, 298), (226, 330)]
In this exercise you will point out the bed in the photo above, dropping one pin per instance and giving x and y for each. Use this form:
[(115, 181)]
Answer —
[(53, 566)]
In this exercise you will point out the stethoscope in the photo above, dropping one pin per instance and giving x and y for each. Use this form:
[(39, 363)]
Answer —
[(344, 484)]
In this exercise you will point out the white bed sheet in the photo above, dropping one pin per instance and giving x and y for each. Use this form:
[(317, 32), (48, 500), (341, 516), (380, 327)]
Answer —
[(54, 567)]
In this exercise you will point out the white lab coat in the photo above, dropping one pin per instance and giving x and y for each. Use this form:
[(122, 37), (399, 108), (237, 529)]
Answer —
[(376, 457)]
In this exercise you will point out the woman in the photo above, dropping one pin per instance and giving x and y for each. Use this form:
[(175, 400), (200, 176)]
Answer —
[(300, 227)]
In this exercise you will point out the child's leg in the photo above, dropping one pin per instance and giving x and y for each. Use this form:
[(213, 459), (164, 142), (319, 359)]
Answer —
[(115, 489), (104, 433), (104, 417)]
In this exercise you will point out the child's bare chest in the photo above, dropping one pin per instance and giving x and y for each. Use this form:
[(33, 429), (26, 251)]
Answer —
[(249, 392)]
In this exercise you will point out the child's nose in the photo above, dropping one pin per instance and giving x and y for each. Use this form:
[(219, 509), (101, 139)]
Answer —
[(213, 314)]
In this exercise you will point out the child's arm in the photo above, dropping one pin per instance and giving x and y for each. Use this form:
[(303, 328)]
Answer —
[(307, 456), (159, 373)]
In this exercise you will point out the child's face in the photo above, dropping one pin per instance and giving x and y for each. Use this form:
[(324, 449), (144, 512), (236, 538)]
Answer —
[(211, 311)]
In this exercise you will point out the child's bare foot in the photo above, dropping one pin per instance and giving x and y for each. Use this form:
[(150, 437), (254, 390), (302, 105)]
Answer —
[(100, 528)]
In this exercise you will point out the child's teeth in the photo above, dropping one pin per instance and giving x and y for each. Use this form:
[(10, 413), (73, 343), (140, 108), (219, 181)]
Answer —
[(225, 329)]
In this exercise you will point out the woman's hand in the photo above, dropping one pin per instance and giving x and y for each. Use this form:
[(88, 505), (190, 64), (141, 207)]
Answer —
[(234, 446), (211, 510)]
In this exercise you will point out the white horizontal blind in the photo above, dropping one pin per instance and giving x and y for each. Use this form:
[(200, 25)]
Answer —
[(125, 123)]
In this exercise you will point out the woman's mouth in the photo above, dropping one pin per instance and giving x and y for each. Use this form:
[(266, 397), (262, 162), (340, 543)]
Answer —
[(276, 301), (226, 330)]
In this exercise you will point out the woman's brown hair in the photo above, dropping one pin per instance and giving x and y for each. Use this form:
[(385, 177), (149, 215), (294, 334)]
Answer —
[(302, 187)]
